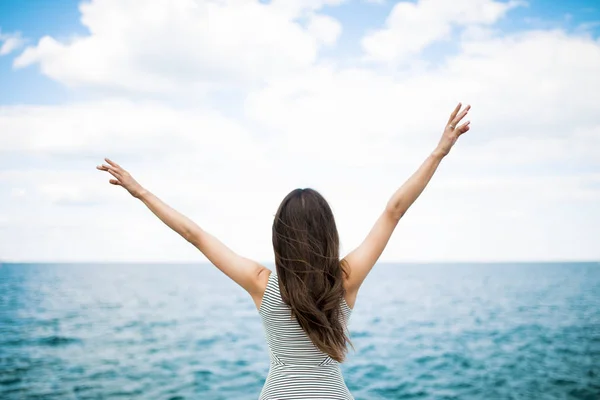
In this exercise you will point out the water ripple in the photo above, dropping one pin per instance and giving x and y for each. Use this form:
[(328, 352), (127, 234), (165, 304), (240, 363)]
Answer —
[(186, 332)]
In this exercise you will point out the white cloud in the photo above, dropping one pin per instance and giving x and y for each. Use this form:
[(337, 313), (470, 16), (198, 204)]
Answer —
[(65, 194), (76, 215), (144, 129), (295, 8), (10, 42), (165, 46), (486, 219), (522, 184), (325, 29), (517, 84), (411, 27), (17, 192)]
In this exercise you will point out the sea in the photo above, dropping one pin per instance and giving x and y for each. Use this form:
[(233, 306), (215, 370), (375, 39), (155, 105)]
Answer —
[(185, 331)]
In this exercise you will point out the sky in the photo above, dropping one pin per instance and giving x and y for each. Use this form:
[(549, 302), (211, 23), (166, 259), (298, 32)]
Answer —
[(221, 107)]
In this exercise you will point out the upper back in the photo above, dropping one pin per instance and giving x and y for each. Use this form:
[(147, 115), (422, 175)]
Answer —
[(288, 343)]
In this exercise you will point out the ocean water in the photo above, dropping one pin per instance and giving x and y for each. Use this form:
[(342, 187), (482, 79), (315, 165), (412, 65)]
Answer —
[(488, 331)]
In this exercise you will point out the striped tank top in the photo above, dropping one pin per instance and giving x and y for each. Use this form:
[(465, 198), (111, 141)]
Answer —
[(299, 370)]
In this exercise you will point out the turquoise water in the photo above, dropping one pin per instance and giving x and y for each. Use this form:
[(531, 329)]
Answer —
[(529, 331)]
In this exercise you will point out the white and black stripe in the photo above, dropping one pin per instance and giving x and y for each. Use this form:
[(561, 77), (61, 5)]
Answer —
[(299, 370)]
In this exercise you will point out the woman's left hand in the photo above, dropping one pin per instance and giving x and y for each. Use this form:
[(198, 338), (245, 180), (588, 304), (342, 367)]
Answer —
[(453, 130), (123, 178)]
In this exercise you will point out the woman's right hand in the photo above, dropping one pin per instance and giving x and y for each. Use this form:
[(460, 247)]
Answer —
[(453, 130), (124, 179)]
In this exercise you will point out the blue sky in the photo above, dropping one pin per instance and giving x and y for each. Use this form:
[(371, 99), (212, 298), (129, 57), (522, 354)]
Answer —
[(61, 18), (258, 98), (35, 19)]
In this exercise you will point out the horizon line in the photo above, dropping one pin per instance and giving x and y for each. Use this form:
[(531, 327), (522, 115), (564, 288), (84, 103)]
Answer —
[(162, 262)]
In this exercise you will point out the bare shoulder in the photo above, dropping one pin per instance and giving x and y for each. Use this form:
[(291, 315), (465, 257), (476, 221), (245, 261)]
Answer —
[(260, 284), (262, 278)]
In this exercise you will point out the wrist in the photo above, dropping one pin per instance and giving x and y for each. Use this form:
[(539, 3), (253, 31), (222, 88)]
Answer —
[(141, 193), (438, 154)]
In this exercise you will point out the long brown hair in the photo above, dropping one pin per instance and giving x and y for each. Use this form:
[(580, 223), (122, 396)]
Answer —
[(307, 259)]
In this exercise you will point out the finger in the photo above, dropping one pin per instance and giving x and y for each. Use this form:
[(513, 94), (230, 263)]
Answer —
[(111, 162), (115, 182), (113, 173), (464, 127), (110, 167), (460, 116), (105, 167), (456, 110)]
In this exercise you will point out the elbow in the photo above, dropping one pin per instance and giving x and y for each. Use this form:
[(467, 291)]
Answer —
[(190, 236), (395, 212), (194, 236), (187, 235)]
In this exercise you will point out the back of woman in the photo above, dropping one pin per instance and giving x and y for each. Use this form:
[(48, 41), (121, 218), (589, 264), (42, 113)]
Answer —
[(298, 369), (303, 308), (306, 303)]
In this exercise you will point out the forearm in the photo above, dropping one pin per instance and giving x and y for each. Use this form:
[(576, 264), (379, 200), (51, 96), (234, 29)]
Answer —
[(187, 228), (406, 195)]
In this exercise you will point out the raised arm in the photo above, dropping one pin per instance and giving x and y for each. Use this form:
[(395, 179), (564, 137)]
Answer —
[(245, 272), (361, 260)]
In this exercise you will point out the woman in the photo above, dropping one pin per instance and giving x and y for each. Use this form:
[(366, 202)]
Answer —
[(305, 304)]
